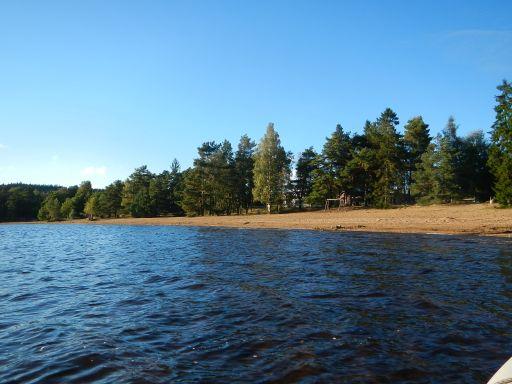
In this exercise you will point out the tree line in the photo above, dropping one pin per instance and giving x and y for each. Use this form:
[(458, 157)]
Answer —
[(22, 201), (379, 167)]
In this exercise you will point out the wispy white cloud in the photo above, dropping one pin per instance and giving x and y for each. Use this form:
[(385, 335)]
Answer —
[(479, 33), (55, 158), (3, 146), (94, 171), (487, 48)]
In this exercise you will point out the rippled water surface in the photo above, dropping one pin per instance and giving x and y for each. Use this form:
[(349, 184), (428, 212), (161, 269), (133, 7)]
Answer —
[(159, 304)]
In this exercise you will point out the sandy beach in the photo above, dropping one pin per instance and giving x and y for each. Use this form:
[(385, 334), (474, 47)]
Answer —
[(479, 219)]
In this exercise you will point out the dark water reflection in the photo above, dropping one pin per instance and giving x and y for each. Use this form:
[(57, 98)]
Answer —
[(159, 304)]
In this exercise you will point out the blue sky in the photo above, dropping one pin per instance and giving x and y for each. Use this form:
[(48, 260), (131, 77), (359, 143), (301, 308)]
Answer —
[(93, 89)]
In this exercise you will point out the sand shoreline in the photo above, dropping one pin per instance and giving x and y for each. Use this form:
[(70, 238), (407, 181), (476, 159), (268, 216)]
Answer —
[(470, 219)]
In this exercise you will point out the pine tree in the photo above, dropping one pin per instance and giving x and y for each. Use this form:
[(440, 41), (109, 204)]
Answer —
[(193, 196), (425, 187), (328, 176), (159, 194), (102, 204), (113, 197), (500, 156), (336, 150), (360, 173), (386, 143), (244, 164), (476, 179), (271, 169), (449, 162), (141, 205), (416, 139), (136, 200), (224, 183), (198, 197), (82, 194), (175, 188), (303, 183), (210, 187)]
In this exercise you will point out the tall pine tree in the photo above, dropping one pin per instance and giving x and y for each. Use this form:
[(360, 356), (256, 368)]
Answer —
[(303, 183), (425, 185), (386, 143), (475, 177), (448, 162), (500, 156), (417, 139), (244, 164), (328, 177)]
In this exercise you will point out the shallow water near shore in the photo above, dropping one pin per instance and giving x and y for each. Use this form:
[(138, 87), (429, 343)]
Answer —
[(81, 303)]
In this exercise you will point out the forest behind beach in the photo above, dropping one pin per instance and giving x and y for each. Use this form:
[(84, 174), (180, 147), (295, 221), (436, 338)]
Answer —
[(381, 167)]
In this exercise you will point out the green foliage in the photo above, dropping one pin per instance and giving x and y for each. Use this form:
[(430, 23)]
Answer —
[(143, 194), (67, 209), (141, 205), (386, 143), (146, 194), (475, 177), (500, 155), (113, 195), (425, 187), (370, 167), (73, 207), (244, 164), (360, 171), (224, 181), (379, 167), (328, 174), (449, 162), (175, 188), (158, 194), (22, 201), (91, 207), (136, 191), (336, 150), (416, 141), (193, 199), (212, 186), (51, 206), (82, 194), (417, 138), (304, 169), (50, 210), (271, 169), (452, 168)]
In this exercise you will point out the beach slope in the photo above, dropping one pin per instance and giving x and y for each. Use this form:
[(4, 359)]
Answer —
[(482, 219)]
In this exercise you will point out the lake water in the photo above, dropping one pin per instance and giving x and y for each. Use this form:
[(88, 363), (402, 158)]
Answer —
[(83, 303)]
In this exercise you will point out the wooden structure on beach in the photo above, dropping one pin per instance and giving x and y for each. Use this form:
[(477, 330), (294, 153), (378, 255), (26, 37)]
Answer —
[(343, 200)]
